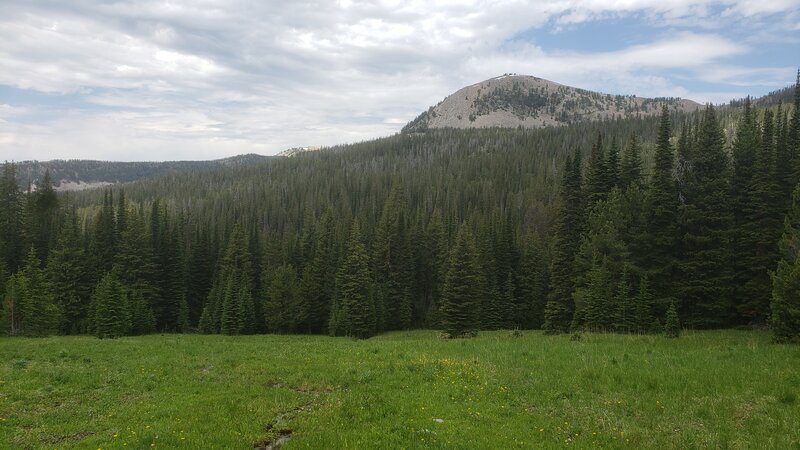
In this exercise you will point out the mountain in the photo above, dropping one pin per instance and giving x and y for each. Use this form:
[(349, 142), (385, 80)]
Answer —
[(298, 150), (512, 101), (76, 174)]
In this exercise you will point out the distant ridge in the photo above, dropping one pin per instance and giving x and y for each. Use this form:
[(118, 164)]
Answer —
[(81, 174), (512, 101)]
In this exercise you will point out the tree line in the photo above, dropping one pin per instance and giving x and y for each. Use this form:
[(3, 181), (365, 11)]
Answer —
[(653, 218)]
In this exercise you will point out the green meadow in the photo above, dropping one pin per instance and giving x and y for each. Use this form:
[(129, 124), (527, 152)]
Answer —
[(501, 390)]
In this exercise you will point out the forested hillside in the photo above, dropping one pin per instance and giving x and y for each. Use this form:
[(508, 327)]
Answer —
[(603, 226), (86, 174)]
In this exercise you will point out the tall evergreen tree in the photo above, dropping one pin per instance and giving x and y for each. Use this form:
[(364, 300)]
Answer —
[(631, 167), (29, 303), (282, 302), (560, 304), (662, 220), (759, 229), (69, 278), (393, 261), (110, 307), (12, 219), (706, 266), (319, 278), (785, 305), (463, 287), (355, 312)]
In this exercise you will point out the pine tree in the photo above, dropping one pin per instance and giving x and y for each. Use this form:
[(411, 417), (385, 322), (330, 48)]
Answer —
[(792, 155), (229, 320), (785, 305), (356, 308), (67, 273), (595, 307), (597, 182), (623, 310), (44, 216), (672, 327), (104, 244), (36, 313), (112, 317), (613, 173), (142, 319), (319, 278), (643, 307), (393, 261), (706, 267), (12, 220), (662, 200), (560, 306), (283, 297), (463, 288), (631, 168), (759, 229)]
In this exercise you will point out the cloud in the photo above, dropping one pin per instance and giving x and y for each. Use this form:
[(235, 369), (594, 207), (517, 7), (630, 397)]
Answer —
[(187, 79)]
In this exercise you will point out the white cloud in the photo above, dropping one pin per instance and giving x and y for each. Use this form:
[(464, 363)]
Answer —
[(196, 79)]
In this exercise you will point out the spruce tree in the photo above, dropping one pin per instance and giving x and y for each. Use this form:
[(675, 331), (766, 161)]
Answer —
[(142, 319), (356, 308), (112, 316), (623, 311), (12, 220), (597, 181), (707, 266), (757, 234), (631, 168), (319, 278), (642, 311), (662, 220), (393, 262), (283, 297), (785, 305), (68, 276), (560, 305), (463, 288), (672, 326)]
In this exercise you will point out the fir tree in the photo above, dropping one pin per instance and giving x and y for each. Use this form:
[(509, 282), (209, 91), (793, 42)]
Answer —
[(283, 297), (560, 305), (12, 220), (393, 262), (623, 311), (67, 273), (643, 307), (356, 308), (631, 168), (706, 266), (662, 220), (672, 327), (463, 288), (142, 319), (759, 229), (112, 317), (785, 305)]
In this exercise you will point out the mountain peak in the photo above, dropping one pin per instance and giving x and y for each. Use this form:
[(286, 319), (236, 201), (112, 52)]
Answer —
[(512, 101)]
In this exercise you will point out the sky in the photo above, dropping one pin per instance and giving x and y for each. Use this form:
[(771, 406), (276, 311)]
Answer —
[(135, 80)]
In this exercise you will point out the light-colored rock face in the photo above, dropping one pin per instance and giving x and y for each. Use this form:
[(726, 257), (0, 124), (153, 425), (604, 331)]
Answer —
[(298, 150), (515, 100)]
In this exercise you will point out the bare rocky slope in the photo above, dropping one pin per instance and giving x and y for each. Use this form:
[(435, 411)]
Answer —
[(512, 101)]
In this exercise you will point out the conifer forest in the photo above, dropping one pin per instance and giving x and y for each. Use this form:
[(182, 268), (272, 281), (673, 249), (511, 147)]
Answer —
[(682, 220)]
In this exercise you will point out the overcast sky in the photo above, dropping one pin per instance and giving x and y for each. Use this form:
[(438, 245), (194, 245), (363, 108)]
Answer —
[(202, 79)]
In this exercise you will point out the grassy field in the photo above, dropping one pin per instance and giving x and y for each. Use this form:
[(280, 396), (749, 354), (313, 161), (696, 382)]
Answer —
[(730, 389)]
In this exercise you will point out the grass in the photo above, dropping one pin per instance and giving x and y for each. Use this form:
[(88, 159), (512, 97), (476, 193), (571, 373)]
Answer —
[(720, 389)]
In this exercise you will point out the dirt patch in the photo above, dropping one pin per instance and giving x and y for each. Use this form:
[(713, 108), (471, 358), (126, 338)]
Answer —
[(59, 438)]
